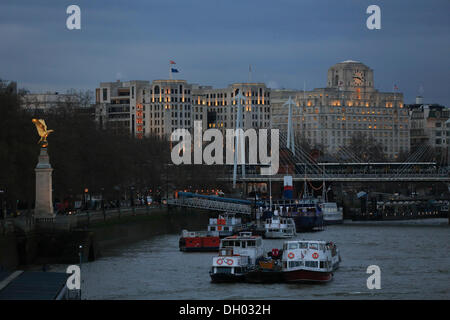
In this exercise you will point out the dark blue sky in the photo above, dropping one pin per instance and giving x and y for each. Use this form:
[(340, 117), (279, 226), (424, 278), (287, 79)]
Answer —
[(213, 42)]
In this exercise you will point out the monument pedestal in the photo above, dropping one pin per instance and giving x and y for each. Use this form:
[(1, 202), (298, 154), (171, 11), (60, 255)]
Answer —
[(43, 209)]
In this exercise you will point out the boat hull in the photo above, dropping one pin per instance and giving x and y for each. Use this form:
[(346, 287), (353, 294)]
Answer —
[(199, 249), (332, 222), (199, 244), (307, 276), (268, 276), (226, 277), (308, 223), (277, 235)]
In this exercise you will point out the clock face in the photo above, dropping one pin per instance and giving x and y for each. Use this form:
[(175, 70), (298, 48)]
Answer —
[(358, 78)]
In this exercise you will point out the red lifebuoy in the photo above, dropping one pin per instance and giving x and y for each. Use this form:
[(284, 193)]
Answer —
[(219, 261), (315, 255), (291, 255), (229, 262), (275, 252)]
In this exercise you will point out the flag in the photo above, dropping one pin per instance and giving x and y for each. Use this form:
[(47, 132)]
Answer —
[(174, 70), (172, 62)]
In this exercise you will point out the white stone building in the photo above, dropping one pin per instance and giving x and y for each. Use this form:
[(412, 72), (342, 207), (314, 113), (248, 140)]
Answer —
[(348, 105)]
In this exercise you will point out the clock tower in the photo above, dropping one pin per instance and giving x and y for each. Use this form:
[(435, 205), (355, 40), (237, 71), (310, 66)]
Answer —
[(350, 76)]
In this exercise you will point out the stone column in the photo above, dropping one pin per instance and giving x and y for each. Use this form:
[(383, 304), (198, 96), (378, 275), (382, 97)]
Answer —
[(44, 201)]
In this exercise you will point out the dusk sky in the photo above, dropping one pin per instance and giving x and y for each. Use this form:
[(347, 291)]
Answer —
[(214, 42)]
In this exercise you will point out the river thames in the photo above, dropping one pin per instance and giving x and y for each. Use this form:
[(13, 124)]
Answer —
[(413, 257)]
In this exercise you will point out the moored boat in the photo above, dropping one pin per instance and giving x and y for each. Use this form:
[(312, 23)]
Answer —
[(308, 215), (237, 256), (309, 261), (199, 241), (332, 214), (278, 227), (225, 225)]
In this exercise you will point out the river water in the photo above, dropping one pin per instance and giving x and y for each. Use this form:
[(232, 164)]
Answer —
[(414, 258)]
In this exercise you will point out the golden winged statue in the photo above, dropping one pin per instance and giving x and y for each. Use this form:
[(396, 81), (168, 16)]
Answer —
[(41, 128)]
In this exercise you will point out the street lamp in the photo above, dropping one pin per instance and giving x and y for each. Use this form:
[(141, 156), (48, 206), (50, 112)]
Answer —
[(103, 204), (2, 211), (132, 198)]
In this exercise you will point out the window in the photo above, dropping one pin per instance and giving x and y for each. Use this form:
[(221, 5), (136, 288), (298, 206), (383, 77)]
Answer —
[(105, 94), (311, 264), (293, 246), (223, 270)]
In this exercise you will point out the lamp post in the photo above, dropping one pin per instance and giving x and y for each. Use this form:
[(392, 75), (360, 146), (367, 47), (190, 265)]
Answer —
[(132, 199), (103, 204), (2, 211), (80, 253)]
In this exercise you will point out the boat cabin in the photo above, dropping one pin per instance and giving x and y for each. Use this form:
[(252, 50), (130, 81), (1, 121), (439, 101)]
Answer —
[(245, 244), (225, 224), (307, 255)]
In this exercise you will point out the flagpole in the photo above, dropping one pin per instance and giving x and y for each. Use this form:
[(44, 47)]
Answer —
[(170, 70)]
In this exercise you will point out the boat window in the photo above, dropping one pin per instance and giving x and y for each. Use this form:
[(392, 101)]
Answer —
[(322, 247), (213, 228), (293, 245), (313, 246), (303, 245), (223, 270), (244, 244), (251, 243), (311, 264), (293, 264), (226, 243)]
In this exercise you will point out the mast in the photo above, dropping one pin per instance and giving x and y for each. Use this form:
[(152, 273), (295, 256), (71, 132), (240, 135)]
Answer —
[(237, 143), (305, 188), (324, 192)]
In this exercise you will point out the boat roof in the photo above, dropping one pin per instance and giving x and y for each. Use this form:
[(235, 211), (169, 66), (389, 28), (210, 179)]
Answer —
[(309, 241), (242, 236)]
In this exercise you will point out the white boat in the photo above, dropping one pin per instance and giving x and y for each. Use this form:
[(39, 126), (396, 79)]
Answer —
[(332, 214), (226, 225), (237, 255), (309, 261), (278, 227)]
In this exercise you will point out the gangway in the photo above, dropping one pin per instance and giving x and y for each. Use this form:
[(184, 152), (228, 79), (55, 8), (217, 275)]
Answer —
[(214, 203)]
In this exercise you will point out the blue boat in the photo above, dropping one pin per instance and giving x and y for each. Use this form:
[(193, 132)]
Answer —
[(308, 215)]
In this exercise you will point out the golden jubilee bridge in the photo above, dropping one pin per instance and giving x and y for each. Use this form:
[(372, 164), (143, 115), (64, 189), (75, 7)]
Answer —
[(422, 165), (349, 172)]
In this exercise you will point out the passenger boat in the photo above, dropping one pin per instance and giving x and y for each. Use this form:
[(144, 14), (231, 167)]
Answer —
[(332, 214), (309, 261), (199, 241), (226, 225), (278, 227), (237, 255)]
